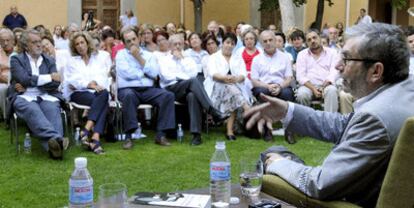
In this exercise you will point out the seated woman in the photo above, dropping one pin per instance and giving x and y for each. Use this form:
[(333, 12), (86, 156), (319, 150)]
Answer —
[(209, 44), (86, 83), (225, 84), (249, 49), (161, 38), (196, 53), (147, 34)]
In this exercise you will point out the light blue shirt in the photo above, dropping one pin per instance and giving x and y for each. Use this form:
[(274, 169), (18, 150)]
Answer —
[(197, 57), (130, 73)]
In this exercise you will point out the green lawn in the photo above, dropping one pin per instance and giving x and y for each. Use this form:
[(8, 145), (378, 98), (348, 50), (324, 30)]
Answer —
[(36, 181)]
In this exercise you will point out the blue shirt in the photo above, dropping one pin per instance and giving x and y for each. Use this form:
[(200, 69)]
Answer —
[(12, 22), (129, 73), (292, 50)]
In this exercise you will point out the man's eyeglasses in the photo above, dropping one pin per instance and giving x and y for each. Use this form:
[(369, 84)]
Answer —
[(366, 60)]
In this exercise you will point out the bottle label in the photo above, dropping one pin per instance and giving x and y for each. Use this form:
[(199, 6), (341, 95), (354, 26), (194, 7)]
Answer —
[(80, 191), (220, 171), (27, 143)]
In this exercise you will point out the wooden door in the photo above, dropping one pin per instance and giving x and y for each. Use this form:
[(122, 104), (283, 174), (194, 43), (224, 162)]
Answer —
[(107, 11)]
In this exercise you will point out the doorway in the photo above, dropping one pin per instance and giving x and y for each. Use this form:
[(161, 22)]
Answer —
[(106, 11)]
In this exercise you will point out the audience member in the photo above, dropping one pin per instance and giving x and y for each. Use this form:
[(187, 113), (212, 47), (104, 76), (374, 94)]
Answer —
[(297, 38), (280, 40), (196, 53), (128, 19), (333, 38), (316, 73), (34, 95), (6, 50), (86, 83), (272, 74), (89, 23), (147, 35), (363, 17), (225, 84), (374, 67), (178, 75), (249, 49), (14, 19), (170, 28), (410, 39), (136, 71), (213, 28)]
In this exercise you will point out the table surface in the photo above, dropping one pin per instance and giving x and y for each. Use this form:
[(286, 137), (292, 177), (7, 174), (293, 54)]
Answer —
[(235, 192)]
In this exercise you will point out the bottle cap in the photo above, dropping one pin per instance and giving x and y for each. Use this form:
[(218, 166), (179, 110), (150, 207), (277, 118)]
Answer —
[(221, 145), (27, 134), (81, 162), (77, 128), (234, 200)]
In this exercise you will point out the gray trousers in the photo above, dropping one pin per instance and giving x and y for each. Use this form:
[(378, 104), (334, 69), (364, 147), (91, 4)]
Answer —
[(192, 92), (3, 97), (42, 117), (330, 97)]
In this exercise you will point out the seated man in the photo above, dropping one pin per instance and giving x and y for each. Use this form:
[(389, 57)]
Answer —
[(6, 49), (374, 67), (136, 71), (34, 95), (272, 73), (178, 75), (316, 73)]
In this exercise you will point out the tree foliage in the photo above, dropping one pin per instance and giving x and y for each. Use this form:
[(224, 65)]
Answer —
[(268, 5)]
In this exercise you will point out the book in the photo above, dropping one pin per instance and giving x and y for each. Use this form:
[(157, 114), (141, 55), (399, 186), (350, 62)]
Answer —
[(173, 200)]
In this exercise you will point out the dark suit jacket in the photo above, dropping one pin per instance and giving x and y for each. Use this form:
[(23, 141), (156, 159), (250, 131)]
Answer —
[(21, 72)]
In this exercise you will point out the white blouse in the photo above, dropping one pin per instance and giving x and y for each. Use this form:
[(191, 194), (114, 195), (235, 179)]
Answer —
[(79, 75), (217, 64)]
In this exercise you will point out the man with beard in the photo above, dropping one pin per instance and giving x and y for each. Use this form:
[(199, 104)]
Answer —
[(316, 73), (34, 96), (374, 66)]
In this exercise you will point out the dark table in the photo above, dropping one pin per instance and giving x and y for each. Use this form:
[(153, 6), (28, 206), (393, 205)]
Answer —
[(235, 192)]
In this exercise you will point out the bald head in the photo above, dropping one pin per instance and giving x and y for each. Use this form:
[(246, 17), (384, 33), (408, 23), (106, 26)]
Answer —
[(268, 40)]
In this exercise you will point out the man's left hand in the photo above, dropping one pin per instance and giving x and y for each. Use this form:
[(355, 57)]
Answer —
[(272, 157)]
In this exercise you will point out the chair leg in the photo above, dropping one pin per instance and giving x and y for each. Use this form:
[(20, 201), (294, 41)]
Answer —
[(16, 133)]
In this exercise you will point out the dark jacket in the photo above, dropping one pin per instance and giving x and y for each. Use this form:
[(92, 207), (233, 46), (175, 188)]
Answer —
[(21, 72)]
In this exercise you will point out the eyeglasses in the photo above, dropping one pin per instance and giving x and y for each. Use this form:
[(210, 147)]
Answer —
[(366, 60)]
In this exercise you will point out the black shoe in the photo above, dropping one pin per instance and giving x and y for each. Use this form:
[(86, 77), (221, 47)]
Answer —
[(128, 144), (289, 137), (55, 149), (267, 136), (196, 140), (231, 137)]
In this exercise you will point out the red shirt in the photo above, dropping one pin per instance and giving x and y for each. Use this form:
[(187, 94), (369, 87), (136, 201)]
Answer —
[(248, 59)]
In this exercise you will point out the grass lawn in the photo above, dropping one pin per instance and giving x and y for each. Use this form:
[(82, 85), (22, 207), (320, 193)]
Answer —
[(36, 181)]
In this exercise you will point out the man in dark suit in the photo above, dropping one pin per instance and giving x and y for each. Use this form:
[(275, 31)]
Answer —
[(34, 95), (374, 67)]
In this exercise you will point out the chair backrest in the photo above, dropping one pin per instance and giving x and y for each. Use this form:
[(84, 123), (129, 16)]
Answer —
[(398, 187)]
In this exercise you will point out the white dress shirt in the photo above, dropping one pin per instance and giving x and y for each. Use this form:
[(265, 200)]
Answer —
[(173, 69), (79, 75), (272, 69), (32, 93)]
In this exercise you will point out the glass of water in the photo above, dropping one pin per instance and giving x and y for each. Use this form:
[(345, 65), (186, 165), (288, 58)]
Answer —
[(113, 195), (251, 174)]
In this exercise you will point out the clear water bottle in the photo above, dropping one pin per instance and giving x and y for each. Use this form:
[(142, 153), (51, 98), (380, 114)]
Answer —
[(180, 133), (27, 144), (80, 185), (76, 137), (220, 177), (138, 132)]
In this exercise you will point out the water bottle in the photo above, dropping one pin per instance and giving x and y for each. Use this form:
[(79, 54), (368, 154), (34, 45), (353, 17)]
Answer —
[(76, 137), (180, 133), (138, 132), (27, 144), (80, 185), (220, 184)]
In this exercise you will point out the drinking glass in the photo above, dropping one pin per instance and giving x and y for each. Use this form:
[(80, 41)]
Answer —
[(113, 195), (251, 174)]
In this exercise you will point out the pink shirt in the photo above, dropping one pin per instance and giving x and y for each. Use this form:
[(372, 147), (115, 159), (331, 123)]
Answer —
[(317, 71)]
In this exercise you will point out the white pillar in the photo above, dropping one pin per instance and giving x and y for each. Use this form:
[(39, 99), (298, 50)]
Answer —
[(74, 12), (348, 6), (255, 19)]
